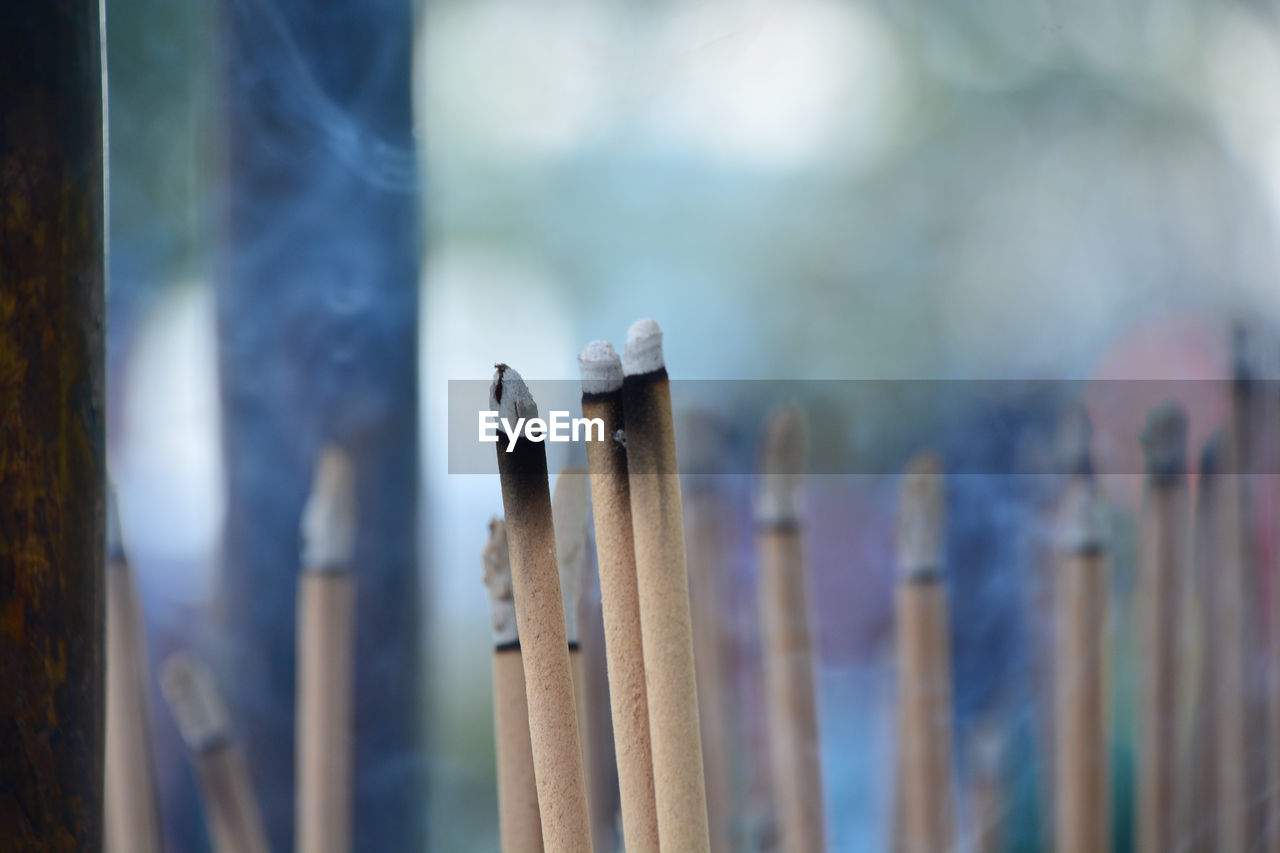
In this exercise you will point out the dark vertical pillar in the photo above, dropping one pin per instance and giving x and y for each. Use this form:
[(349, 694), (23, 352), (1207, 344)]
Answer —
[(51, 427), (317, 314)]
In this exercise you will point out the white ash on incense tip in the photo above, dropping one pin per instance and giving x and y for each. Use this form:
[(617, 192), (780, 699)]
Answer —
[(643, 353), (329, 518), (509, 396), (600, 367), (781, 466), (921, 518), (496, 558), (189, 688)]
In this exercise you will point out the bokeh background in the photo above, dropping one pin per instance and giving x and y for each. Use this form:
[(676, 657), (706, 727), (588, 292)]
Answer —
[(321, 216)]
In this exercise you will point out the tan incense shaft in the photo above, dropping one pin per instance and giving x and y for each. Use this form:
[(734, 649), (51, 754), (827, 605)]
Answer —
[(1165, 546), (1228, 670), (787, 639), (924, 665), (1081, 786), (544, 644), (519, 821), (131, 818), (326, 639), (619, 594), (235, 823), (667, 633)]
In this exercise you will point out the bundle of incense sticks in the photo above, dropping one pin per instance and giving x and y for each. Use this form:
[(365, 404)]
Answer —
[(326, 640), (787, 638), (1081, 789), (619, 594), (663, 584), (1162, 565), (519, 821), (235, 824), (924, 665), (132, 820), (540, 619)]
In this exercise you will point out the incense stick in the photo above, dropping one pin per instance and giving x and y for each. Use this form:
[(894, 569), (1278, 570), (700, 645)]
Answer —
[(666, 629), (326, 639), (235, 824), (519, 821), (619, 595), (553, 724), (787, 638), (924, 664), (988, 801), (1082, 819), (1162, 564), (131, 813)]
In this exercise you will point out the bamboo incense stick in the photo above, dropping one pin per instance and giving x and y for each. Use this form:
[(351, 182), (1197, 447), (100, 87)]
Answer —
[(619, 595), (1162, 564), (1081, 786), (553, 723), (235, 823), (666, 623), (924, 664), (787, 638), (569, 515), (131, 814), (326, 640), (1229, 668), (519, 821)]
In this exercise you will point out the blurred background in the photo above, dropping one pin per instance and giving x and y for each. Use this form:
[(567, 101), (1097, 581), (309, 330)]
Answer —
[(319, 217)]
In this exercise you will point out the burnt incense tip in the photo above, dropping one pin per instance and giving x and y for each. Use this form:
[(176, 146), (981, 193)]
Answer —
[(1215, 458), (600, 367), (569, 505), (1072, 445), (1081, 521), (192, 694), (496, 558), (329, 517), (509, 396), (781, 468), (1164, 442), (643, 353), (921, 517), (115, 539)]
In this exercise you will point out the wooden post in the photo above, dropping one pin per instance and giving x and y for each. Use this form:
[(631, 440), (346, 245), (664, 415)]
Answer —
[(52, 466)]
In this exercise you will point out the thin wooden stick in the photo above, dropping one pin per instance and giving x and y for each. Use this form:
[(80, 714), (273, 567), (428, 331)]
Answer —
[(620, 597), (132, 818), (326, 641), (1163, 562), (666, 629), (1081, 788), (519, 821), (553, 722), (787, 639), (235, 823), (924, 664)]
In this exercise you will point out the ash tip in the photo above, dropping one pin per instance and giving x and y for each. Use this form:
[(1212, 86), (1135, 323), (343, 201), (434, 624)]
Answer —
[(509, 396), (922, 519), (329, 517), (643, 352), (496, 559), (1164, 441), (569, 514), (781, 467), (192, 694), (1074, 440), (600, 367), (1082, 523), (1215, 458)]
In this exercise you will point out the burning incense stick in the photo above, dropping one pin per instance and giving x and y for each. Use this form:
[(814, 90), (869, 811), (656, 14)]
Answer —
[(787, 638), (235, 824), (1082, 818), (520, 823), (667, 634), (924, 664), (569, 515), (1228, 670), (132, 820), (1162, 564), (988, 802), (326, 639), (615, 551), (553, 724)]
